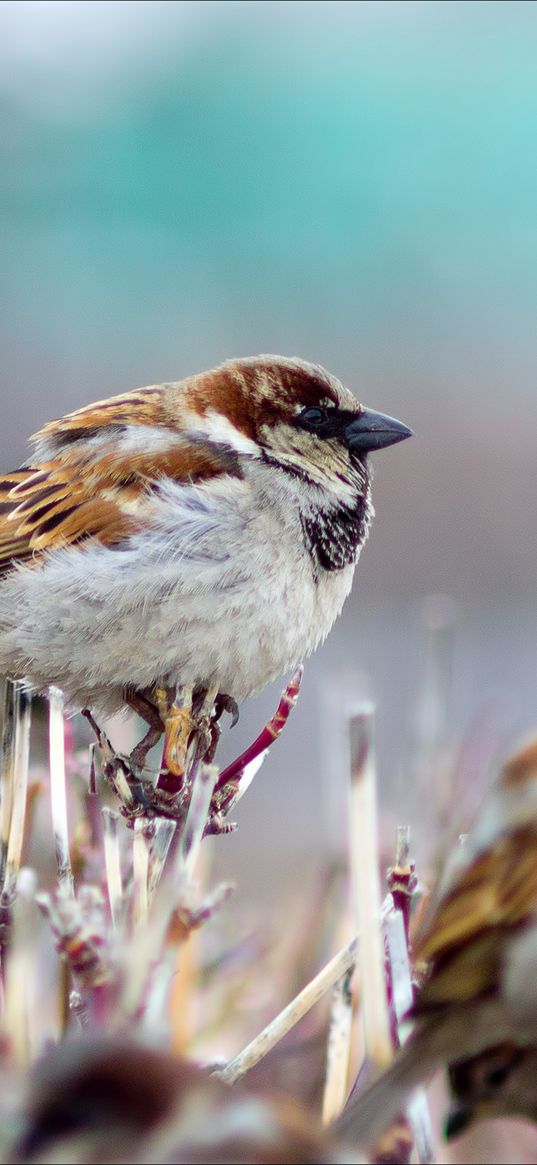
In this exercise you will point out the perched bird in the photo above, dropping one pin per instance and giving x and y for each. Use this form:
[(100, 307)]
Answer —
[(476, 1011), (201, 533)]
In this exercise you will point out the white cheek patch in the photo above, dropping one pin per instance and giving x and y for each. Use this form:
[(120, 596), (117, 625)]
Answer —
[(222, 431)]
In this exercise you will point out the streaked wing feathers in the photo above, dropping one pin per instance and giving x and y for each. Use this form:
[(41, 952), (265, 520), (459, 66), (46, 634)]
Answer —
[(80, 495), (463, 944), (144, 406)]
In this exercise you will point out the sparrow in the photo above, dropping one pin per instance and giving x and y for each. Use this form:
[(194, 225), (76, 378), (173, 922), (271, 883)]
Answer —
[(476, 1011), (198, 535), (112, 1098)]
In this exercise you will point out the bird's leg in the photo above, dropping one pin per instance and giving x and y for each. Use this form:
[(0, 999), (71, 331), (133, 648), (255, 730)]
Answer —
[(190, 718), (118, 772), (222, 704), (148, 711), (175, 711), (134, 763), (205, 729), (102, 739)]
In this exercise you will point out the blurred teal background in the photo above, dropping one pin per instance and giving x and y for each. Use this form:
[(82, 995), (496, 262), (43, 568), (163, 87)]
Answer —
[(355, 183)]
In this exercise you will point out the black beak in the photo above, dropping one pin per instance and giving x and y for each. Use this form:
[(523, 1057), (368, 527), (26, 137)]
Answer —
[(372, 431)]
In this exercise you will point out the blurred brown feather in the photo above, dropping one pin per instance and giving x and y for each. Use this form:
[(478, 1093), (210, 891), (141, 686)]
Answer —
[(103, 1098), (478, 1003)]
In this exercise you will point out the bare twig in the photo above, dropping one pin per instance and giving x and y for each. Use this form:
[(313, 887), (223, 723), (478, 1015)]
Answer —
[(112, 860), (58, 794), (403, 997), (236, 770), (203, 784), (163, 832), (140, 871), (402, 883), (12, 691), (402, 994), (366, 888), (290, 1016), (20, 972), (142, 953), (18, 778), (401, 877), (432, 713), (338, 1049)]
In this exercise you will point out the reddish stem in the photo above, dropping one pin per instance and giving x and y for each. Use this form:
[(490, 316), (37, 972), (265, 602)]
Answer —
[(267, 736)]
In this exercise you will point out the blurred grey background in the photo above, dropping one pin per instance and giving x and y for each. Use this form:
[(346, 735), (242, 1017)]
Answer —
[(355, 183)]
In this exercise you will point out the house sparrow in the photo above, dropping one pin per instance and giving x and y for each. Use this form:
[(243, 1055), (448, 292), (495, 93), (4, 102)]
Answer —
[(201, 533), (476, 1011), (111, 1098)]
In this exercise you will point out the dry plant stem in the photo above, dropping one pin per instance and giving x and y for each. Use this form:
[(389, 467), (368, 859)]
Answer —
[(402, 994), (140, 872), (19, 778), (402, 883), (366, 888), (439, 620), (143, 953), (112, 861), (20, 972), (401, 877), (58, 793), (92, 783), (113, 767), (163, 832), (338, 1049), (231, 794), (203, 785), (156, 1017), (302, 1003), (403, 998), (11, 715)]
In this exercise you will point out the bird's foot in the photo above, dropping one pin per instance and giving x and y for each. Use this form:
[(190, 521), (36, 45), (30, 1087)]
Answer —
[(121, 772), (224, 703), (180, 722), (141, 703), (190, 717)]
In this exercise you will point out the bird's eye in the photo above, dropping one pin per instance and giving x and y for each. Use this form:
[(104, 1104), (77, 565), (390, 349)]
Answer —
[(312, 418)]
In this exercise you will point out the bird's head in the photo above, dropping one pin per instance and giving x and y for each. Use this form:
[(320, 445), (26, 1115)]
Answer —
[(295, 416), (498, 1082)]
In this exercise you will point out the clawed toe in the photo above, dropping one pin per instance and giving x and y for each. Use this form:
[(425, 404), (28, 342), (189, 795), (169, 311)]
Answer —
[(224, 703)]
